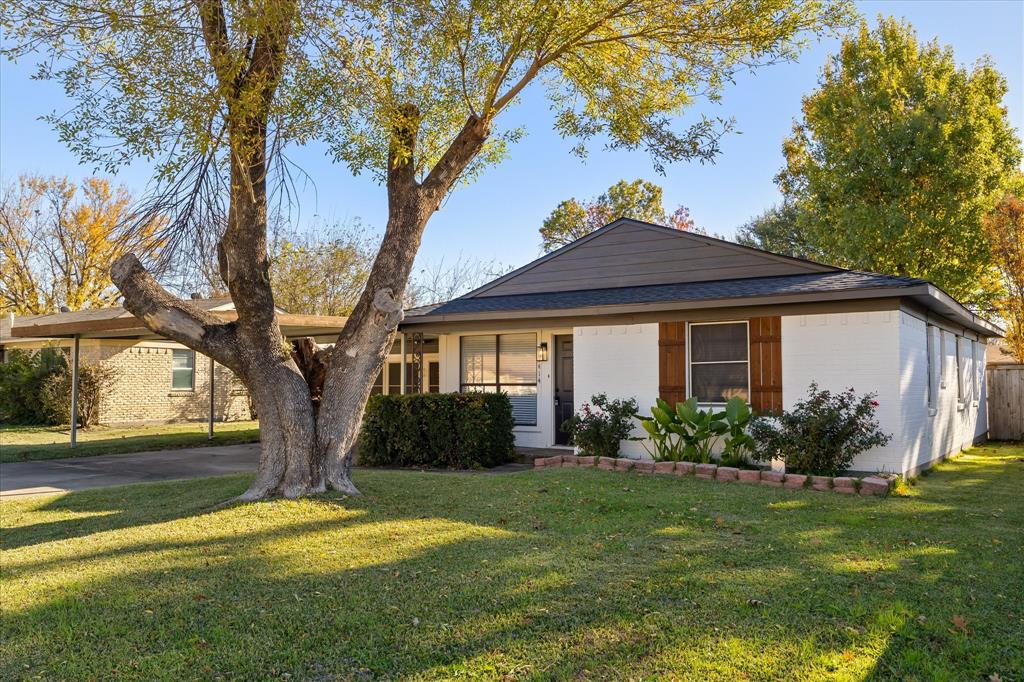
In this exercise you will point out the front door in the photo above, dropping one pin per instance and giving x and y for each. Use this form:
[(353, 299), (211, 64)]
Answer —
[(563, 385)]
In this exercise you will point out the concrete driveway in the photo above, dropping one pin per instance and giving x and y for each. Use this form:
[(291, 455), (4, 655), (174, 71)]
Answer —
[(18, 479)]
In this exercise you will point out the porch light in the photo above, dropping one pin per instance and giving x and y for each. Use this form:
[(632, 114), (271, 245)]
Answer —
[(542, 351)]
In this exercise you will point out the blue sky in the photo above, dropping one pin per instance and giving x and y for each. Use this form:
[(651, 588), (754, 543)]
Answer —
[(497, 217)]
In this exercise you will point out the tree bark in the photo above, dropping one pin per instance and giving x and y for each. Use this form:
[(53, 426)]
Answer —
[(369, 332)]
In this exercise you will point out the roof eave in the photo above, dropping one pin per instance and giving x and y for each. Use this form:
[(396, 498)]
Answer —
[(731, 302)]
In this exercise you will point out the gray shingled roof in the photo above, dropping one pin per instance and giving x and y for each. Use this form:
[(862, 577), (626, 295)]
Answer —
[(817, 282)]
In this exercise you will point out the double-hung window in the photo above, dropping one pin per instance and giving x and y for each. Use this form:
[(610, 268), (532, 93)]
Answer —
[(503, 362), (719, 367), (183, 369)]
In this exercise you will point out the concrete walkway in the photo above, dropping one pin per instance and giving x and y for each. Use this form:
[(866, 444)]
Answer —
[(20, 479), (80, 473)]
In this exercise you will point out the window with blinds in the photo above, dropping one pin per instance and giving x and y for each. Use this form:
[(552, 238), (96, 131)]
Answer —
[(503, 362), (719, 361), (183, 370)]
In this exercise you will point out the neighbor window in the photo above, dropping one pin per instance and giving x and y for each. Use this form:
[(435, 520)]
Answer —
[(719, 361), (378, 383), (183, 370), (503, 362)]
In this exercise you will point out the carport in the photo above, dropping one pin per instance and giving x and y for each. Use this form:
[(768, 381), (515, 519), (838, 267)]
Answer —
[(118, 323)]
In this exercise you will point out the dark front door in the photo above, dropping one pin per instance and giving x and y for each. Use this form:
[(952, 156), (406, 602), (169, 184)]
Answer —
[(563, 386)]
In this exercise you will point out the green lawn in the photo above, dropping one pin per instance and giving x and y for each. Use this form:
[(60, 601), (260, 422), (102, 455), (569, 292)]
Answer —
[(19, 443), (558, 574)]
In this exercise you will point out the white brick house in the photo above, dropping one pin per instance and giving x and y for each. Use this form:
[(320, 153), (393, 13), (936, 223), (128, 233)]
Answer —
[(641, 311)]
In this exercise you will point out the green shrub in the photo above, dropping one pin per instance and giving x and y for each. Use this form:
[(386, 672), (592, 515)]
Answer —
[(21, 381), (94, 380), (689, 434), (442, 430), (822, 434), (600, 429)]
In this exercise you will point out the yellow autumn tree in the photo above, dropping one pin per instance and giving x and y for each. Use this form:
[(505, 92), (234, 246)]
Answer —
[(57, 241)]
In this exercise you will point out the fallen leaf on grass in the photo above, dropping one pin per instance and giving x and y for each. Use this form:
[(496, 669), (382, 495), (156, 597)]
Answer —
[(960, 623), (755, 603)]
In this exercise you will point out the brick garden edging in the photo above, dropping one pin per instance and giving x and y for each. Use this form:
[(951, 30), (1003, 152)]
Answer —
[(867, 486)]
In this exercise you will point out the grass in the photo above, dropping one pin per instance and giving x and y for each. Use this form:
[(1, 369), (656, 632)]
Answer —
[(20, 443), (558, 574)]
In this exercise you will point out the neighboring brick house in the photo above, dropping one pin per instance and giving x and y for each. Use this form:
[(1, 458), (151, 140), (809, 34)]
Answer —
[(156, 380)]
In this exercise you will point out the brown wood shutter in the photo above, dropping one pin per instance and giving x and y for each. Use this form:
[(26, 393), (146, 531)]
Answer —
[(672, 362), (766, 364)]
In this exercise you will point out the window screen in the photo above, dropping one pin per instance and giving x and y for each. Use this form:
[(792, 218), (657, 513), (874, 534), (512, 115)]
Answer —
[(183, 370), (719, 362), (433, 377), (505, 362), (394, 378)]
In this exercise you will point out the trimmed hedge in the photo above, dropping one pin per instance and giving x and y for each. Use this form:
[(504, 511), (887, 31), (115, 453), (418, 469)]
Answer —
[(438, 430)]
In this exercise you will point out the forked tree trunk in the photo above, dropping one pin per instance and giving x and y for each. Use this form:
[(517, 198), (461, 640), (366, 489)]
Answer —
[(309, 415)]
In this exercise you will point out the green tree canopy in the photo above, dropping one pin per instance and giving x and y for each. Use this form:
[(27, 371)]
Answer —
[(777, 230), (639, 199), (899, 155)]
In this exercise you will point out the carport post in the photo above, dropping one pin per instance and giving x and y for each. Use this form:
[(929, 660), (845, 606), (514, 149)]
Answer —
[(401, 379), (74, 394), (209, 430)]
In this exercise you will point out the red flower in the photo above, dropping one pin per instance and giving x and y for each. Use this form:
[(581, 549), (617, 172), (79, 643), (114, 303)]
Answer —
[(874, 403)]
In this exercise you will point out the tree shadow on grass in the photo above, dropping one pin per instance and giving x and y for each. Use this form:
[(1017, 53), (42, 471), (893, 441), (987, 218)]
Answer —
[(562, 574), (106, 509)]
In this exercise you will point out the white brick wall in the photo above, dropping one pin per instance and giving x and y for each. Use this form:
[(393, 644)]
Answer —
[(842, 350), (620, 360), (886, 353), (931, 432)]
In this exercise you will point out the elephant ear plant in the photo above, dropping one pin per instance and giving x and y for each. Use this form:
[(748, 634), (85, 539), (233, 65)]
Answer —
[(690, 434), (739, 445)]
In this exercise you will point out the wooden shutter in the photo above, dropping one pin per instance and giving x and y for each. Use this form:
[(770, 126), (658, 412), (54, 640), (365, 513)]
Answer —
[(766, 364), (672, 362)]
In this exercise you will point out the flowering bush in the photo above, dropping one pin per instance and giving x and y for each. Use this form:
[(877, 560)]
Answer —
[(601, 425), (822, 434)]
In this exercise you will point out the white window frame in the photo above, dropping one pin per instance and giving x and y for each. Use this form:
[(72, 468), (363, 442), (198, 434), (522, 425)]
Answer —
[(192, 373), (942, 358), (933, 338), (498, 384), (690, 362), (961, 388), (975, 374)]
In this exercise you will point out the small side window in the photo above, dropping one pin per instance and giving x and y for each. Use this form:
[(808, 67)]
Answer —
[(183, 370), (961, 388), (975, 372), (933, 362)]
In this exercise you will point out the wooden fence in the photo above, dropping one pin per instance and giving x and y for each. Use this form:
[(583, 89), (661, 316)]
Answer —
[(1006, 402)]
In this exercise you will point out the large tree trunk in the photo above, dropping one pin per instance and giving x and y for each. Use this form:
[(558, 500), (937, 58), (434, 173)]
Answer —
[(368, 334), (288, 463)]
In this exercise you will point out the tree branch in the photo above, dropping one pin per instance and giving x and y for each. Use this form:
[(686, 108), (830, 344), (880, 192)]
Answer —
[(459, 154), (172, 317)]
